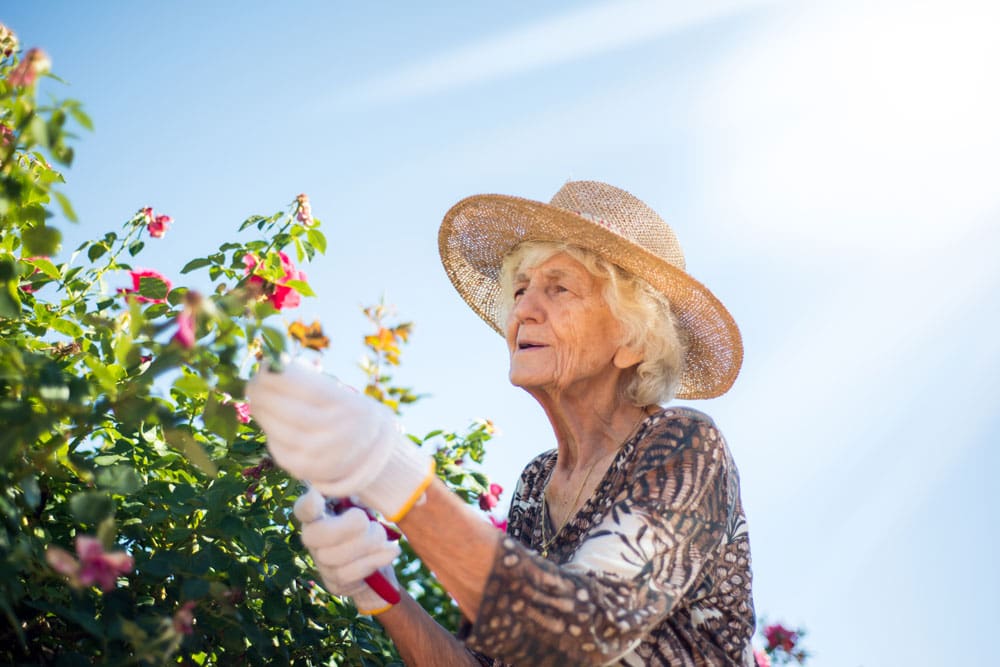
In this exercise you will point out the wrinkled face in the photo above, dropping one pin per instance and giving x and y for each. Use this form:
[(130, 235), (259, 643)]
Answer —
[(560, 332)]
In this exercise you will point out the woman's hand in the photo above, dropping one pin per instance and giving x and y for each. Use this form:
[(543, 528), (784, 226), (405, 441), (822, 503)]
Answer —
[(343, 442), (347, 548)]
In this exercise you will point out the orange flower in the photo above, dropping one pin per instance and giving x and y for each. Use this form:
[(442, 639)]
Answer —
[(309, 336)]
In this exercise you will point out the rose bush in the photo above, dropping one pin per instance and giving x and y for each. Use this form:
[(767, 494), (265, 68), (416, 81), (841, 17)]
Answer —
[(142, 521)]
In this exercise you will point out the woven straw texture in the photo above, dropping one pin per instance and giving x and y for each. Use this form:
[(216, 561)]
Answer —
[(478, 231)]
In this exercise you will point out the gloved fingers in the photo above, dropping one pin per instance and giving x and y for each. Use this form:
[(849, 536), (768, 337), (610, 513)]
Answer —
[(355, 570), (353, 588), (334, 544), (299, 383), (330, 421), (342, 538), (323, 417), (309, 507), (349, 527)]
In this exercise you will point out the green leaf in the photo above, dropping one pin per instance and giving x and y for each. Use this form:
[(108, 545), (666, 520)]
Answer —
[(32, 493), (192, 589), (152, 288), (7, 269), (41, 240), (252, 220), (104, 376), (195, 453), (68, 327), (196, 264), (119, 479), (33, 212), (96, 250), (274, 340), (191, 385), (176, 296), (252, 540), (37, 131), (10, 300), (220, 418), (81, 117), (135, 247), (91, 507), (67, 208), (317, 239), (301, 287), (46, 266)]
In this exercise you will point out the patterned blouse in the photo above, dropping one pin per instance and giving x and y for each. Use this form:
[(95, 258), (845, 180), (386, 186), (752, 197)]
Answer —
[(654, 569)]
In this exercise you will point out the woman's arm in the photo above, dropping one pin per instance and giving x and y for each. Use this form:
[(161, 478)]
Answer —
[(455, 543), (420, 640)]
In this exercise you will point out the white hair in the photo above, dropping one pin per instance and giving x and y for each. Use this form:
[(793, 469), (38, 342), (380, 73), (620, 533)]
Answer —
[(643, 313)]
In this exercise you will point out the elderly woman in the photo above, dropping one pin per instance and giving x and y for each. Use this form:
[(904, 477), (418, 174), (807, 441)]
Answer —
[(626, 543)]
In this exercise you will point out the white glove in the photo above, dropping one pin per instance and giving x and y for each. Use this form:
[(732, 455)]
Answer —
[(347, 548), (341, 441)]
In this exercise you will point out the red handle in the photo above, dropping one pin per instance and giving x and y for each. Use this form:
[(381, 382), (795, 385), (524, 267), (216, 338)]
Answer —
[(381, 585)]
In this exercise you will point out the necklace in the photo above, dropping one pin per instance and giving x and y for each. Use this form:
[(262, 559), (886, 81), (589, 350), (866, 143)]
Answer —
[(547, 542)]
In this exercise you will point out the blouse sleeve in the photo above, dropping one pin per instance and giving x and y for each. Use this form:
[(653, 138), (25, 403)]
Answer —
[(644, 554), (465, 627)]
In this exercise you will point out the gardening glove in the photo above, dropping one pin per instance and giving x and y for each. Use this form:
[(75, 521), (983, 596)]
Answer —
[(344, 443), (349, 550)]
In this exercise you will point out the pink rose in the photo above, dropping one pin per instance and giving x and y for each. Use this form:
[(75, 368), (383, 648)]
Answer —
[(98, 566), (62, 561), (137, 277), (242, 411), (184, 618), (95, 566), (489, 500), (279, 294), (185, 335), (158, 226), (762, 659), (498, 524), (35, 63), (304, 212)]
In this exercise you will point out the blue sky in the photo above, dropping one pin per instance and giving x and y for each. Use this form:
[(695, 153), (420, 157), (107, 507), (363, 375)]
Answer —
[(830, 168)]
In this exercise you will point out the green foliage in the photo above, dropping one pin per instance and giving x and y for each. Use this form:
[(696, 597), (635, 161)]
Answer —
[(122, 419)]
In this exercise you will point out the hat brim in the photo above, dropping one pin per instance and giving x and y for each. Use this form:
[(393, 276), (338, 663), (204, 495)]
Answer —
[(480, 230)]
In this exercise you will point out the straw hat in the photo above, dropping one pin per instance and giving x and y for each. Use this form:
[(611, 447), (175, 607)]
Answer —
[(480, 230)]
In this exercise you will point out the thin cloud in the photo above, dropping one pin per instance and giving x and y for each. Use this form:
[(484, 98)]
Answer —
[(552, 41)]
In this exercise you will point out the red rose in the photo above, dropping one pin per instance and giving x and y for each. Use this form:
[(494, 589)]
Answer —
[(778, 636), (158, 226)]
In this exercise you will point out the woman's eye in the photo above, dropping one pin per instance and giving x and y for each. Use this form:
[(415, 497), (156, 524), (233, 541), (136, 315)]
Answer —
[(518, 292)]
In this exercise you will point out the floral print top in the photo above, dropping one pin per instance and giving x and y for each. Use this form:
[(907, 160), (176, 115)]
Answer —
[(654, 569)]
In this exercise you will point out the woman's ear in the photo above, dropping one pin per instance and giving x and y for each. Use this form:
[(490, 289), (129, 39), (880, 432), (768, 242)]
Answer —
[(627, 357)]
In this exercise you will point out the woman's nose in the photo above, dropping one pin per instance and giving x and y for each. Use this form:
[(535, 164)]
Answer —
[(528, 306)]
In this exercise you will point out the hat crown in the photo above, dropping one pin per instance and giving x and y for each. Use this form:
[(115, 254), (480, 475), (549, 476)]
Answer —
[(622, 213)]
